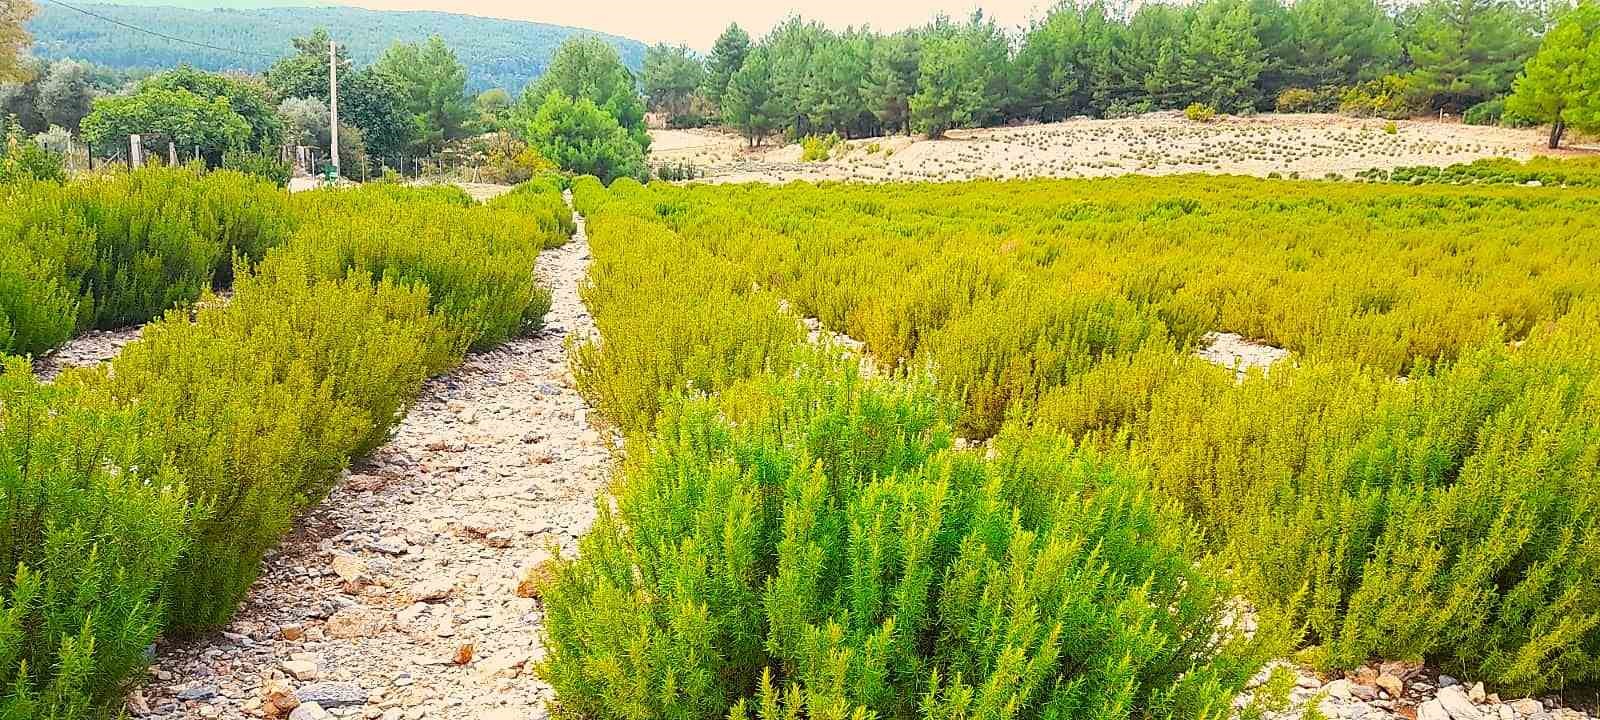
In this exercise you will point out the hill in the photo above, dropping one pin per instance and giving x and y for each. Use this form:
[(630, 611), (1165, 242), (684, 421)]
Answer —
[(497, 53)]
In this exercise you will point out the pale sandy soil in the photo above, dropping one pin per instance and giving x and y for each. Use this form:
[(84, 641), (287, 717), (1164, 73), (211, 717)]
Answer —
[(1311, 146)]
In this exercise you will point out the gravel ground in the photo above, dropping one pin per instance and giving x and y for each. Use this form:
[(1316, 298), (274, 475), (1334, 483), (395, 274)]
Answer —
[(89, 348)]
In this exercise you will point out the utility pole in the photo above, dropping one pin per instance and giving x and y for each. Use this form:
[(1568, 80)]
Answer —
[(333, 104)]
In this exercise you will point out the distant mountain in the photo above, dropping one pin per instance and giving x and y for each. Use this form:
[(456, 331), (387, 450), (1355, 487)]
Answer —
[(498, 53)]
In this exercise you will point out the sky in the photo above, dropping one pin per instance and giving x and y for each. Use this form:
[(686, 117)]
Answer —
[(697, 24)]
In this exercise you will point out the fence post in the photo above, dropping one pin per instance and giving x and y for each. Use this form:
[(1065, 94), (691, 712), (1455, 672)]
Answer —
[(135, 151)]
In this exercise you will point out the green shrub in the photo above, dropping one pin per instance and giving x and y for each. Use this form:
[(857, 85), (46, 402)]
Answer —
[(1487, 112), (93, 525), (1417, 481), (263, 401), (814, 148), (124, 248), (1127, 108), (477, 263), (1200, 112), (809, 536), (140, 496), (266, 166), (1306, 100), (1392, 96)]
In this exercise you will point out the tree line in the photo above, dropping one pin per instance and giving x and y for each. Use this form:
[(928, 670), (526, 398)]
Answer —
[(1106, 58), (587, 112)]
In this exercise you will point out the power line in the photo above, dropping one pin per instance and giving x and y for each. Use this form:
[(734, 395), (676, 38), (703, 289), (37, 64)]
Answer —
[(163, 36)]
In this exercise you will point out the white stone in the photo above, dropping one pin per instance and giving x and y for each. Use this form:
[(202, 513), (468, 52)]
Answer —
[(1454, 700), (303, 670), (1432, 710)]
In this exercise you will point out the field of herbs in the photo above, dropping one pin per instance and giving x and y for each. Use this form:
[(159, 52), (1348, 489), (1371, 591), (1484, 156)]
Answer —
[(1036, 500), (137, 498)]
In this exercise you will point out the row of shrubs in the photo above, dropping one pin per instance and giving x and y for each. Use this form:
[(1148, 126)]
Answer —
[(789, 538), (1011, 288), (140, 496), (120, 249), (1574, 172), (1417, 482), (1394, 97)]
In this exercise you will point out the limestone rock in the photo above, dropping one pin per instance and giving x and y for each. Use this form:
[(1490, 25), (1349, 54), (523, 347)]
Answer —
[(1432, 710), (1527, 706), (310, 711), (348, 567), (332, 695), (431, 590), (350, 623), (1455, 701)]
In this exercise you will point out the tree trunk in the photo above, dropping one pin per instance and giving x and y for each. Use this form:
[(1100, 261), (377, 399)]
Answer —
[(1557, 129)]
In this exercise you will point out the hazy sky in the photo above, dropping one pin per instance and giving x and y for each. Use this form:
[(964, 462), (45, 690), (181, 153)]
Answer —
[(699, 23)]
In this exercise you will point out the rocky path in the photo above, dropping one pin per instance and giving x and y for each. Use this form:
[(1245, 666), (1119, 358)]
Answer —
[(398, 597), (89, 348)]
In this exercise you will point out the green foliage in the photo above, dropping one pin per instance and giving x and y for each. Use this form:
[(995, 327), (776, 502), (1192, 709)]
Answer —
[(433, 84), (475, 262), (266, 166), (586, 68), (92, 527), (581, 138), (1466, 51), (124, 249), (1392, 96), (249, 98), (726, 58), (497, 52), (1304, 100), (1200, 112), (141, 495), (1561, 83), (163, 115), (671, 76), (262, 402), (676, 171), (750, 102), (1341, 42), (793, 537), (23, 158), (1217, 61), (816, 149), (372, 101), (1572, 172), (1417, 482), (953, 74)]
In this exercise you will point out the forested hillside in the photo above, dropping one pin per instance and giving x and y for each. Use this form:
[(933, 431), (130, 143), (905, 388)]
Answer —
[(497, 53)]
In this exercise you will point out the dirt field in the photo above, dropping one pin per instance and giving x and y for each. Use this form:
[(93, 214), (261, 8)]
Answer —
[(1311, 146)]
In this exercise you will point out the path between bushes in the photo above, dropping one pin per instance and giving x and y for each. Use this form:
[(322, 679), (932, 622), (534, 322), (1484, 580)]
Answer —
[(397, 596)]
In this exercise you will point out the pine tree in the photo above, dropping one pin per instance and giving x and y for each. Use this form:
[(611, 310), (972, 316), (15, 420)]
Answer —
[(891, 80), (751, 102), (1467, 51), (1561, 83), (727, 56)]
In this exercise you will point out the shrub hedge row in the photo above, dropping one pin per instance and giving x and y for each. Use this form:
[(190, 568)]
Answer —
[(140, 496), (1419, 480), (121, 249)]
